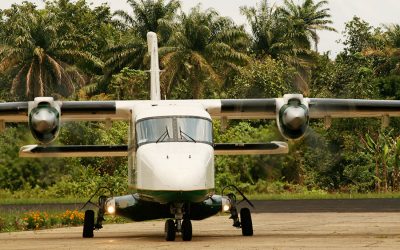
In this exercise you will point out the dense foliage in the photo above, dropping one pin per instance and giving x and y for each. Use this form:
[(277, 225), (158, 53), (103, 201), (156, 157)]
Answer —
[(70, 50)]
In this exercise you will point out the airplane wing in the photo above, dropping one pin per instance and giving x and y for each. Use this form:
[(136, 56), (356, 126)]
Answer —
[(70, 110), (317, 107), (292, 112)]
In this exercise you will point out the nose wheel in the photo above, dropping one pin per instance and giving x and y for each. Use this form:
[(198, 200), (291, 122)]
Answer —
[(171, 228), (186, 230), (182, 223)]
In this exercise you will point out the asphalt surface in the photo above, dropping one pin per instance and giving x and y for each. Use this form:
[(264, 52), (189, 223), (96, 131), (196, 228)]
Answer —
[(278, 206), (271, 231)]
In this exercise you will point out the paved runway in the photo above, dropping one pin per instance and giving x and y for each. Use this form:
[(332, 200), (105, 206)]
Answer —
[(265, 206), (271, 231)]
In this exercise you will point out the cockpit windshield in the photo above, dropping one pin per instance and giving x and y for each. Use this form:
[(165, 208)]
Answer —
[(174, 129)]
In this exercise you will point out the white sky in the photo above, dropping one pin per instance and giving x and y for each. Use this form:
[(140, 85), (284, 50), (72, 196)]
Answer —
[(373, 11)]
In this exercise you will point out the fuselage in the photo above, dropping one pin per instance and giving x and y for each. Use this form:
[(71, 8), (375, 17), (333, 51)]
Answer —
[(173, 160)]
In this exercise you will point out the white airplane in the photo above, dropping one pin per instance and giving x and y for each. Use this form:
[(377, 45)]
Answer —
[(171, 150)]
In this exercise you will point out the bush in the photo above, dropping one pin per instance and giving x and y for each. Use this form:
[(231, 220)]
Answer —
[(72, 218), (36, 220)]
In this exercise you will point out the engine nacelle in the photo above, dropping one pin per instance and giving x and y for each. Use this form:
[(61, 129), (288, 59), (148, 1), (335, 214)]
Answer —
[(292, 116), (44, 119)]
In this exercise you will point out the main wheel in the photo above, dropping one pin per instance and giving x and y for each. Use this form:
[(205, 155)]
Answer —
[(186, 230), (170, 230), (245, 220), (88, 224)]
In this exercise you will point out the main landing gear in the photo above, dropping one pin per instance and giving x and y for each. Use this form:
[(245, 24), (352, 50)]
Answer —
[(182, 223), (89, 224), (244, 222)]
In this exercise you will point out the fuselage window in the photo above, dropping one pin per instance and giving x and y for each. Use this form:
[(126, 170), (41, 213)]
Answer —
[(174, 129)]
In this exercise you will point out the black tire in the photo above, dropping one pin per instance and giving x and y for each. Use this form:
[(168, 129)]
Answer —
[(88, 224), (186, 230), (246, 222), (170, 230)]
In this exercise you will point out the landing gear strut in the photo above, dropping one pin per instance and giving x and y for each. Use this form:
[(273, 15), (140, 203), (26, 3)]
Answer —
[(245, 222), (89, 224), (181, 225)]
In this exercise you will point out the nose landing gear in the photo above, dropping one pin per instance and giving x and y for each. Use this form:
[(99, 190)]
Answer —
[(181, 225)]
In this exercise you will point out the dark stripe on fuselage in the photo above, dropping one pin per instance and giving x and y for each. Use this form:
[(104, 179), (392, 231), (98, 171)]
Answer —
[(248, 105), (80, 148), (14, 108), (341, 105), (89, 107)]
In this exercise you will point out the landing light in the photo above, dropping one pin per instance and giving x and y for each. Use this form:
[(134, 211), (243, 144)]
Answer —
[(225, 208), (110, 206), (226, 204), (111, 209)]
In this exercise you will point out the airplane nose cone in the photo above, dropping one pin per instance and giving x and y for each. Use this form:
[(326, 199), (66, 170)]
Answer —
[(175, 166), (294, 118), (43, 121)]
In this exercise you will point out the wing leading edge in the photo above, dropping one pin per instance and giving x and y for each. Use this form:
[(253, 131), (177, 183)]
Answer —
[(218, 108)]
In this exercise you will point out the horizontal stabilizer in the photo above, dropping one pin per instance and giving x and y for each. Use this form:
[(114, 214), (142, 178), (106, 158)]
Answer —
[(270, 148), (38, 151)]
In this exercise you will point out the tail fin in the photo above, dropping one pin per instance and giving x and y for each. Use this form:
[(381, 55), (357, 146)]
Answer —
[(154, 68)]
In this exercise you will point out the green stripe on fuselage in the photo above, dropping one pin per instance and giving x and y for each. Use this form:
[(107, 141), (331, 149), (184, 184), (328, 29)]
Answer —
[(166, 196)]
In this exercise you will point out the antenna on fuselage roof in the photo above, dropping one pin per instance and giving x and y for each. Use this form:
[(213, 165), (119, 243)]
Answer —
[(154, 67)]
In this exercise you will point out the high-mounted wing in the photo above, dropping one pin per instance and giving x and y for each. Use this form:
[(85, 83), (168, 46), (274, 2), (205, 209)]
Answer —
[(352, 108), (293, 112)]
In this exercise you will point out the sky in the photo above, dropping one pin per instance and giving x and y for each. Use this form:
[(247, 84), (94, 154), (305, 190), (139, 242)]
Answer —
[(374, 12)]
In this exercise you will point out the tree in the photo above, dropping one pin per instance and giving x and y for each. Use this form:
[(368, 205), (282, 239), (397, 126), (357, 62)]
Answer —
[(93, 25), (268, 33), (306, 19), (39, 54), (201, 44), (358, 36), (283, 33), (380, 147), (148, 15), (262, 79)]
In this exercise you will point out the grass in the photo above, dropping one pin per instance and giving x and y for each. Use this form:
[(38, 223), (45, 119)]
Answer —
[(311, 195), (28, 201), (322, 196)]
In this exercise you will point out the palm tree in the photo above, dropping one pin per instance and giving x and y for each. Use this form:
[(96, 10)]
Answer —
[(268, 32), (131, 50), (386, 47), (273, 35), (306, 20), (39, 54), (202, 48), (150, 15)]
